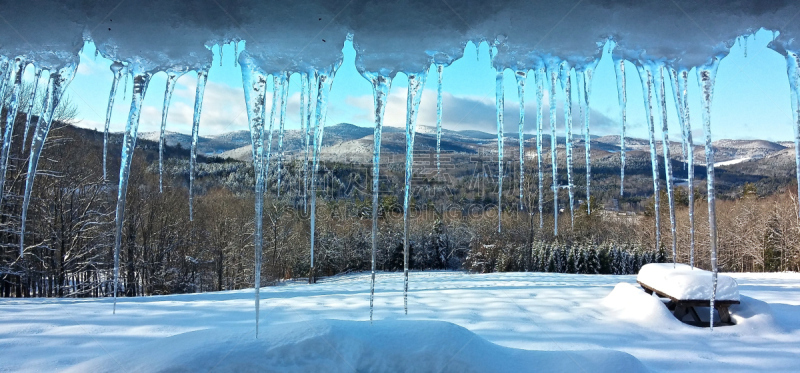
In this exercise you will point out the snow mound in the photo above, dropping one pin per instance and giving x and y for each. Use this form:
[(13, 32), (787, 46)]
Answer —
[(682, 282), (631, 303), (347, 346), (754, 316)]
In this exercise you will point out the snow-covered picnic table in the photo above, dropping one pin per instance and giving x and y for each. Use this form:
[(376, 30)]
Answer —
[(687, 288)]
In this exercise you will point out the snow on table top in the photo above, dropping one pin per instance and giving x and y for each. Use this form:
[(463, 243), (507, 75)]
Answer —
[(682, 282)]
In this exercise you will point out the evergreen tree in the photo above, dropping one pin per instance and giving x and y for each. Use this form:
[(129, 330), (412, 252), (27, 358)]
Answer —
[(592, 262)]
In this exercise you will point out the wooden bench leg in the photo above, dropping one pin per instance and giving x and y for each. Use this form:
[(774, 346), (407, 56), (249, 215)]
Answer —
[(694, 314), (680, 312), (724, 314)]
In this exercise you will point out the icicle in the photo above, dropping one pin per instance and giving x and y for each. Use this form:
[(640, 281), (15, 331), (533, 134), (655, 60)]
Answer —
[(415, 84), (309, 109), (6, 71), (662, 106), (646, 76), (745, 47), (284, 100), (303, 124), (276, 82), (440, 69), (255, 90), (679, 87), (11, 117), (125, 84), (202, 76), (171, 79), (587, 93), (381, 85), (706, 76), (220, 55), (793, 71), (57, 84), (521, 77), (116, 68), (140, 82), (619, 65), (541, 76), (553, 143), (499, 107), (236, 53), (31, 105), (566, 85), (324, 82)]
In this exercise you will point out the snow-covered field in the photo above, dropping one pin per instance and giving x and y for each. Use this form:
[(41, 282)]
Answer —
[(556, 316)]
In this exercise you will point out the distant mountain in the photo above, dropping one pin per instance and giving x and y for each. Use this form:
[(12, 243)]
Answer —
[(348, 140)]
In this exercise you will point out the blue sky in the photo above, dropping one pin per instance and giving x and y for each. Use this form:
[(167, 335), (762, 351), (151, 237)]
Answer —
[(751, 97)]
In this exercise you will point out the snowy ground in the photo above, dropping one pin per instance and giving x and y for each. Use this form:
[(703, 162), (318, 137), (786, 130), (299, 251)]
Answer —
[(534, 311)]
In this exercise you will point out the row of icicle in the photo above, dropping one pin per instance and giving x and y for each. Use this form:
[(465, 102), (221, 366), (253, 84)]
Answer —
[(316, 86)]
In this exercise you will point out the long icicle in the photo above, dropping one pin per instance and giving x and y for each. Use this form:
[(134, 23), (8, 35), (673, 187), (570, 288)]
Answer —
[(415, 84), (619, 68), (381, 86), (706, 76), (587, 93), (171, 79), (284, 101), (140, 82), (312, 77), (202, 76), (303, 123), (662, 106), (57, 84), (566, 84), (499, 108), (793, 72), (553, 143), (521, 77), (541, 76), (116, 68), (646, 76), (255, 90), (439, 69), (324, 83), (679, 86), (31, 105), (11, 117), (273, 116)]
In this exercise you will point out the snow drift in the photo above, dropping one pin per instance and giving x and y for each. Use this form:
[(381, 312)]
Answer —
[(347, 346)]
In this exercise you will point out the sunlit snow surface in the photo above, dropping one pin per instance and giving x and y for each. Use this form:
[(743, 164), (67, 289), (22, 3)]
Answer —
[(542, 312)]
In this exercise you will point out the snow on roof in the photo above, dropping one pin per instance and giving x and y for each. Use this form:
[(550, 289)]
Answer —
[(389, 36), (682, 282)]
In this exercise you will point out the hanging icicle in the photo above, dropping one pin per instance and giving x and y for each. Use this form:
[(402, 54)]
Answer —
[(619, 65), (284, 101), (18, 69), (313, 78), (415, 83), (541, 76), (116, 68), (679, 86), (140, 82), (202, 76), (171, 79), (381, 85), (324, 82), (706, 77), (57, 84), (439, 69), (793, 71), (662, 106), (566, 85), (31, 105), (554, 68), (646, 76), (586, 77), (255, 88), (521, 76), (499, 107)]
